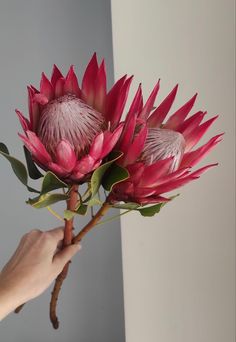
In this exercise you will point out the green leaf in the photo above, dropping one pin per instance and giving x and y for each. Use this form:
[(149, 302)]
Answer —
[(51, 182), (68, 214), (17, 166), (115, 175), (46, 200), (94, 201), (151, 211), (129, 205), (98, 174), (82, 210), (154, 209), (33, 171)]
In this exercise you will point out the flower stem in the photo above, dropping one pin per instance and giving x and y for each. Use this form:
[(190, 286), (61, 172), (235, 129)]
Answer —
[(68, 233), (97, 217)]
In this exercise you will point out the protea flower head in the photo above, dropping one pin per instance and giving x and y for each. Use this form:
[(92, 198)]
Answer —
[(159, 154), (72, 128)]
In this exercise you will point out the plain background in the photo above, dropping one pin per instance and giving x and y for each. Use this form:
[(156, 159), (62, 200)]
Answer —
[(33, 36), (179, 267)]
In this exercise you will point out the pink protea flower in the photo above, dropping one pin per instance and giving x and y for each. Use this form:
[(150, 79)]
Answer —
[(71, 129), (157, 154)]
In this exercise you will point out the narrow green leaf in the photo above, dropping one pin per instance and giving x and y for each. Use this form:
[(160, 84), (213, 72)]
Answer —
[(98, 174), (154, 209), (46, 200), (33, 171), (129, 205), (94, 201), (151, 211), (17, 166), (51, 182), (115, 175)]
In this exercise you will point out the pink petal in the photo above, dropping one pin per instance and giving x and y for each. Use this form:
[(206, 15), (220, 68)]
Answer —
[(150, 102), (135, 148), (200, 171), (56, 74), (100, 88), (191, 123), (159, 114), (96, 147), (46, 87), (34, 111), (143, 191), (194, 157), (178, 117), (172, 185), (110, 141), (85, 165), (65, 155), (40, 98), (71, 85), (35, 146), (24, 122), (193, 138), (57, 169), (112, 97), (136, 105), (88, 82), (128, 133), (59, 88), (153, 172), (116, 115)]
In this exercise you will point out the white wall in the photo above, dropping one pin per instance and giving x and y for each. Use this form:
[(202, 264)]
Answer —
[(179, 267)]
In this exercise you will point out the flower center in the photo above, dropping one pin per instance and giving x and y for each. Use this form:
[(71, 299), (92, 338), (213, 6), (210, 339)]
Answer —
[(69, 118), (161, 144)]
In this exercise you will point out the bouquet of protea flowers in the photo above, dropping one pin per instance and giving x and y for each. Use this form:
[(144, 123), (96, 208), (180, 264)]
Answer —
[(74, 136)]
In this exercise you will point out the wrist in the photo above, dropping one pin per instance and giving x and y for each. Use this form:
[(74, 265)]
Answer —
[(9, 300)]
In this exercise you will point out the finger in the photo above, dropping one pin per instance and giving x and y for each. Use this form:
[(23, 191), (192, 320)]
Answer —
[(62, 257), (57, 233)]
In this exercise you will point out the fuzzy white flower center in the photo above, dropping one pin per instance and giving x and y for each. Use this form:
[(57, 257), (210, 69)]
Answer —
[(69, 118), (161, 144)]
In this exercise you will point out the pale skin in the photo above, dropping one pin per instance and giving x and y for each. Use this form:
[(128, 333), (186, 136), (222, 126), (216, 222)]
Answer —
[(35, 264)]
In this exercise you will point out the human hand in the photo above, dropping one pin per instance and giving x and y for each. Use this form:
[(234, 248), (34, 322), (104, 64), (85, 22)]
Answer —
[(35, 264)]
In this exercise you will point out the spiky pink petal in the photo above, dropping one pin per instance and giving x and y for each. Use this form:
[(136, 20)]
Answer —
[(150, 102), (59, 87), (172, 185), (46, 87), (85, 165), (24, 121), (56, 74), (65, 155), (71, 85), (153, 172), (194, 157), (134, 150), (88, 82), (136, 104), (203, 169), (176, 119), (159, 114), (193, 138), (34, 145), (191, 123), (96, 147), (120, 105), (110, 140), (34, 112), (100, 88), (41, 99), (112, 98), (128, 132)]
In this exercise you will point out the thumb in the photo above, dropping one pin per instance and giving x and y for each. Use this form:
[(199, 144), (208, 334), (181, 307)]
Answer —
[(63, 256)]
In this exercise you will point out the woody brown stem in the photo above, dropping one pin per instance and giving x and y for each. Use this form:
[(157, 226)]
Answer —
[(101, 212), (68, 233)]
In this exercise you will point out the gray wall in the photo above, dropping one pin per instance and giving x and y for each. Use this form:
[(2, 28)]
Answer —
[(179, 266), (33, 36)]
